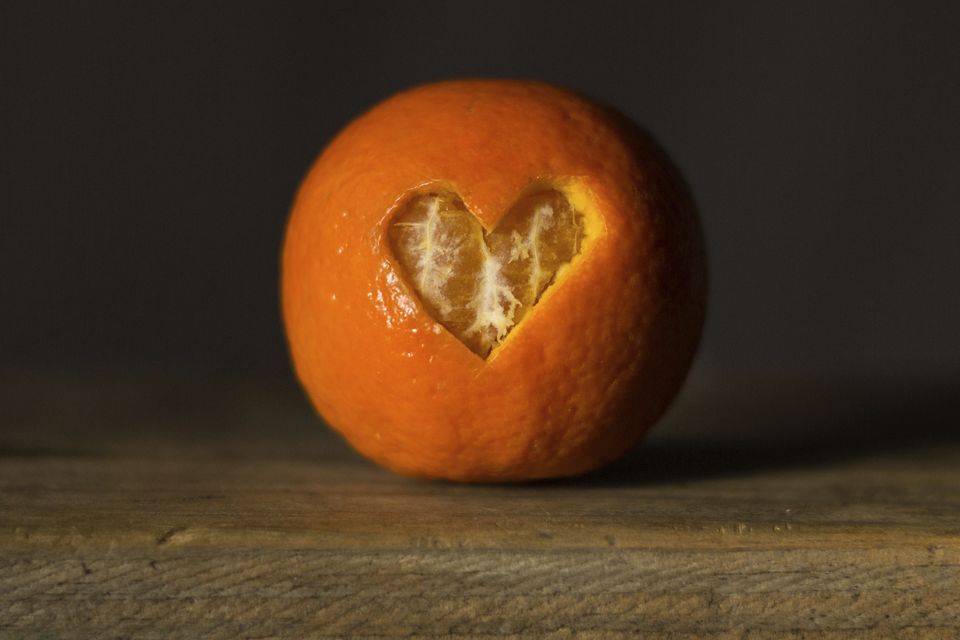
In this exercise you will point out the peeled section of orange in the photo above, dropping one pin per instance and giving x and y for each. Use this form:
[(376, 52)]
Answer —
[(492, 280), (478, 284)]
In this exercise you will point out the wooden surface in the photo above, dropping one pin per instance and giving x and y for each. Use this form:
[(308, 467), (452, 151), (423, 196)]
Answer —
[(166, 506)]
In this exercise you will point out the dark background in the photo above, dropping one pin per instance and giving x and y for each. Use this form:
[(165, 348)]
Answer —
[(149, 153)]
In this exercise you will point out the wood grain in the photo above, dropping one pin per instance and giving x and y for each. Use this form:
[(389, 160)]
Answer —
[(158, 507)]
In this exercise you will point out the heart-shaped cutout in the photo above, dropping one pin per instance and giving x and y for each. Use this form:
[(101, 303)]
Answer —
[(477, 283)]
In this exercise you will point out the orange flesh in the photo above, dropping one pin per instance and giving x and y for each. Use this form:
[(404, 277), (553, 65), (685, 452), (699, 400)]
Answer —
[(479, 284)]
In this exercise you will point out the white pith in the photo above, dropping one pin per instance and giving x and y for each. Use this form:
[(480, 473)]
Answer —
[(436, 254), (529, 247), (494, 305)]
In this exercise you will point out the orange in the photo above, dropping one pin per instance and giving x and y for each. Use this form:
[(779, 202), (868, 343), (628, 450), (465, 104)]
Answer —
[(492, 280)]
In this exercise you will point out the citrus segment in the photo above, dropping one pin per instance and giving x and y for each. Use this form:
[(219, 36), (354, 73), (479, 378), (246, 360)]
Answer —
[(477, 283)]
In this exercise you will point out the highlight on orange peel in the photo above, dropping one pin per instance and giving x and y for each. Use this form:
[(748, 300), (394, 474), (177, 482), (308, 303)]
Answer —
[(492, 280)]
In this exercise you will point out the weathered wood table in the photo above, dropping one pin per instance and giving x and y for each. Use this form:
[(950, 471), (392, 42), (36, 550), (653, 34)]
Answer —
[(180, 507)]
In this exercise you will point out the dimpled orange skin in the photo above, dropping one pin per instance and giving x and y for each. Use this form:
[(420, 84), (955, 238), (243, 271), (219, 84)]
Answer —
[(581, 377)]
